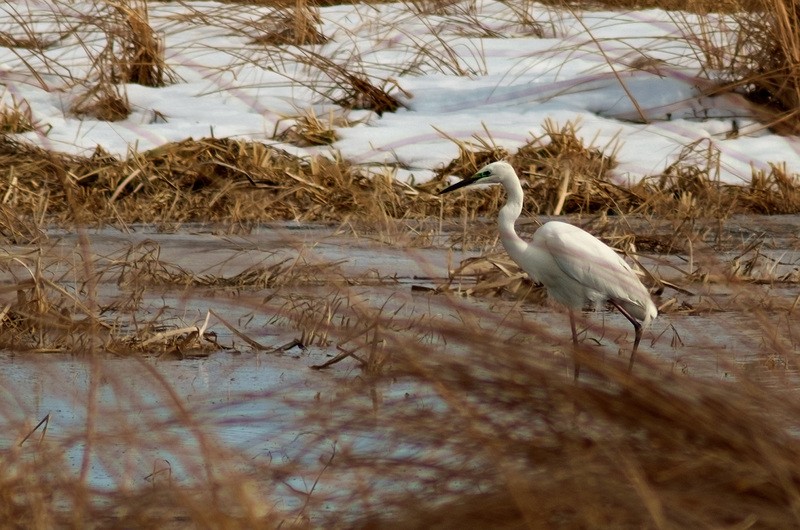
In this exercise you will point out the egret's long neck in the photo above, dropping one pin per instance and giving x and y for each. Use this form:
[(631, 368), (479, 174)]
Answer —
[(514, 245)]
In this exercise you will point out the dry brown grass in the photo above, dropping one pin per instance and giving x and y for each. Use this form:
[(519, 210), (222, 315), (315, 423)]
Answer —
[(287, 35), (513, 443), (40, 490), (766, 64), (118, 40), (752, 51), (468, 421), (308, 129), (562, 175), (208, 180), (290, 24), (50, 308), (15, 116), (132, 53), (344, 85), (468, 415), (559, 173), (488, 431), (773, 193), (492, 432), (140, 53), (244, 182)]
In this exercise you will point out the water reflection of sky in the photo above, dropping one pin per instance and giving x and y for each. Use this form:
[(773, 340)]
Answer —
[(149, 410)]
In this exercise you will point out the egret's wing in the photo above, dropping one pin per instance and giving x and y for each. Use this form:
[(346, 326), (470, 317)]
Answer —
[(592, 263)]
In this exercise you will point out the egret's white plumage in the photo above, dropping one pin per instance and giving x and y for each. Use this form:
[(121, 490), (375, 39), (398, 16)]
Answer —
[(572, 264)]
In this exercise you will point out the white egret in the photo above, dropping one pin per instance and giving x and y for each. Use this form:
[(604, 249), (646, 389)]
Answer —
[(573, 265)]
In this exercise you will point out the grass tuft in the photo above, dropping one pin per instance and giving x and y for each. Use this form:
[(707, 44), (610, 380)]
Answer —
[(15, 116), (308, 130), (296, 26)]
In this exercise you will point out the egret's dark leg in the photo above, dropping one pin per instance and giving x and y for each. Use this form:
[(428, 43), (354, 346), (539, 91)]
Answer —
[(637, 328), (574, 343)]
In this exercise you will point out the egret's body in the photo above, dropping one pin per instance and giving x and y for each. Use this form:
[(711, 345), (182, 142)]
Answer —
[(573, 265)]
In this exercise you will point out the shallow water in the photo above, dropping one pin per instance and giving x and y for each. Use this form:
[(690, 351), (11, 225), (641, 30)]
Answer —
[(132, 400), (245, 400)]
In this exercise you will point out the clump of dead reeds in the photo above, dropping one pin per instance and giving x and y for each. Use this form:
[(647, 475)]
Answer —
[(287, 24), (243, 182), (773, 192), (140, 58), (41, 488), (566, 176), (451, 423), (50, 313), (690, 187), (15, 116), (492, 275), (308, 129), (752, 50), (766, 64), (560, 174), (141, 265), (45, 316), (104, 101), (207, 180), (131, 53)]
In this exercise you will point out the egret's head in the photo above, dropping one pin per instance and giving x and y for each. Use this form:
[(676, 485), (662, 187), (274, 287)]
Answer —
[(494, 173)]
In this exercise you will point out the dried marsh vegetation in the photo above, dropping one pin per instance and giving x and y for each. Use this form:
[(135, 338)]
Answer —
[(765, 63), (467, 420), (15, 116), (131, 53), (126, 305), (749, 48), (120, 47), (508, 441), (464, 407), (243, 182), (467, 412), (290, 24), (746, 49), (38, 480), (207, 180), (563, 175)]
